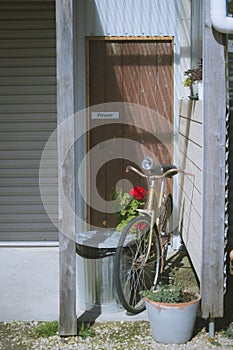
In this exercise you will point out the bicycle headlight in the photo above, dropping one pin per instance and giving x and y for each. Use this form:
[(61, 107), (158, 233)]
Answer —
[(148, 163)]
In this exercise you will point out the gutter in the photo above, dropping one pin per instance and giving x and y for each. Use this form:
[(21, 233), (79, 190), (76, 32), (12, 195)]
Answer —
[(218, 16)]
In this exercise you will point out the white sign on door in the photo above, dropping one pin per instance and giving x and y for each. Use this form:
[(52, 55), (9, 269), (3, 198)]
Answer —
[(104, 115)]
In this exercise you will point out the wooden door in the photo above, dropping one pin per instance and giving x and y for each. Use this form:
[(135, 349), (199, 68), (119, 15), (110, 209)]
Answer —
[(137, 71)]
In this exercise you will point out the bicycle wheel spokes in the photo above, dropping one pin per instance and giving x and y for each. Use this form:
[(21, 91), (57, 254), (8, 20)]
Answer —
[(165, 223), (165, 215), (133, 272)]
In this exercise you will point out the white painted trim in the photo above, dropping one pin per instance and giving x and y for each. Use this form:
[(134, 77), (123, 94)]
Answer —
[(26, 244)]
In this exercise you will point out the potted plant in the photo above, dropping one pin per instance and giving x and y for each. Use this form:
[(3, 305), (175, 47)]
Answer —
[(172, 313), (194, 81)]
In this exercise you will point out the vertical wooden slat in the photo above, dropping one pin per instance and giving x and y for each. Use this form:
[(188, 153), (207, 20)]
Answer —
[(65, 109), (156, 93), (131, 94), (164, 90), (214, 109), (97, 91), (113, 131)]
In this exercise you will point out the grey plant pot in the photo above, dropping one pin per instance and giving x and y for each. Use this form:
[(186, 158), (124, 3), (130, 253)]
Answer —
[(172, 323)]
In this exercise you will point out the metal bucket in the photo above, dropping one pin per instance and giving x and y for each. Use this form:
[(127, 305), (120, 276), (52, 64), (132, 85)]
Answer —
[(95, 271)]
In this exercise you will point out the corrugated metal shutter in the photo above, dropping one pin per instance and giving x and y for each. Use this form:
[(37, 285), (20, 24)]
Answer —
[(27, 115)]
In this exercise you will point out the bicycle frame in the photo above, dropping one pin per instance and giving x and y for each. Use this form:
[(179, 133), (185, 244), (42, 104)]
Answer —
[(150, 210), (150, 204), (142, 247)]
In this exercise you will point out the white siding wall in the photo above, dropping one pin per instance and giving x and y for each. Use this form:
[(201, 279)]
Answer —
[(190, 159)]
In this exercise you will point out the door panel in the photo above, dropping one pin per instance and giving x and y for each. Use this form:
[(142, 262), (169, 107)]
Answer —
[(129, 71)]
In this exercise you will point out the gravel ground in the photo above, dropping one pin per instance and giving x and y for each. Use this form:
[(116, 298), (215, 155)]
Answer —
[(110, 335)]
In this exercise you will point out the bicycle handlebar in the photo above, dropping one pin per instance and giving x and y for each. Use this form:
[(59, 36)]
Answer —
[(130, 167), (166, 173)]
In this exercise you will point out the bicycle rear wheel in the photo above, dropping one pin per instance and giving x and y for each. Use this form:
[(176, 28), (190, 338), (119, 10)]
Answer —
[(132, 273)]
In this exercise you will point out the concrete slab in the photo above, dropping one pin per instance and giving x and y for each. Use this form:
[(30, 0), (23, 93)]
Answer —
[(96, 316)]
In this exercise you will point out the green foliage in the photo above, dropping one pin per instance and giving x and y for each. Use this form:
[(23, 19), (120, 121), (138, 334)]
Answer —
[(230, 7), (188, 82), (128, 207), (193, 74), (50, 329), (85, 330), (169, 294), (47, 329), (228, 333), (214, 342)]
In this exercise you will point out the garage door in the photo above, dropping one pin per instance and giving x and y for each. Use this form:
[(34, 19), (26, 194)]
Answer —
[(27, 115)]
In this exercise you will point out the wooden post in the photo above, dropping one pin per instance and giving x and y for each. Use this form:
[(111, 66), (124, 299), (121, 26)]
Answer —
[(66, 190), (214, 122)]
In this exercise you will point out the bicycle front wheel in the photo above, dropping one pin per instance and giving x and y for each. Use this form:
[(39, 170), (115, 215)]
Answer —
[(133, 273)]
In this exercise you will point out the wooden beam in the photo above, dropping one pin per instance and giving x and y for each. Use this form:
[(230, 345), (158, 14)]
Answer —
[(66, 190), (214, 112)]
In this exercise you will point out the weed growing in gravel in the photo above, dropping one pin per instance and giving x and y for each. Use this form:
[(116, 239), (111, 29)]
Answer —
[(228, 333), (85, 330), (47, 329), (214, 342)]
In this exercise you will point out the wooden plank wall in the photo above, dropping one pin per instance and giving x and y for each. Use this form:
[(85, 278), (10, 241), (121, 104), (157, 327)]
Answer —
[(123, 70), (190, 187)]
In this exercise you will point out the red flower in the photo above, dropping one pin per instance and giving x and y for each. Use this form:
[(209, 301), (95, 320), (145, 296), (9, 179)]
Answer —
[(137, 192), (141, 226)]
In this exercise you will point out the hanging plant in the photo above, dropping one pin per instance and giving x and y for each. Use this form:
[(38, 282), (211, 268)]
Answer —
[(193, 75)]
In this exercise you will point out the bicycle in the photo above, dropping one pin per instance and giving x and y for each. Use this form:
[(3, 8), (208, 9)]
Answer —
[(143, 244)]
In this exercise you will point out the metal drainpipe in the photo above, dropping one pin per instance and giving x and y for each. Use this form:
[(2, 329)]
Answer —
[(218, 16), (223, 24)]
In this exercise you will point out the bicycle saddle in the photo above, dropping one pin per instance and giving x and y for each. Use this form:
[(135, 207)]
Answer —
[(162, 168)]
